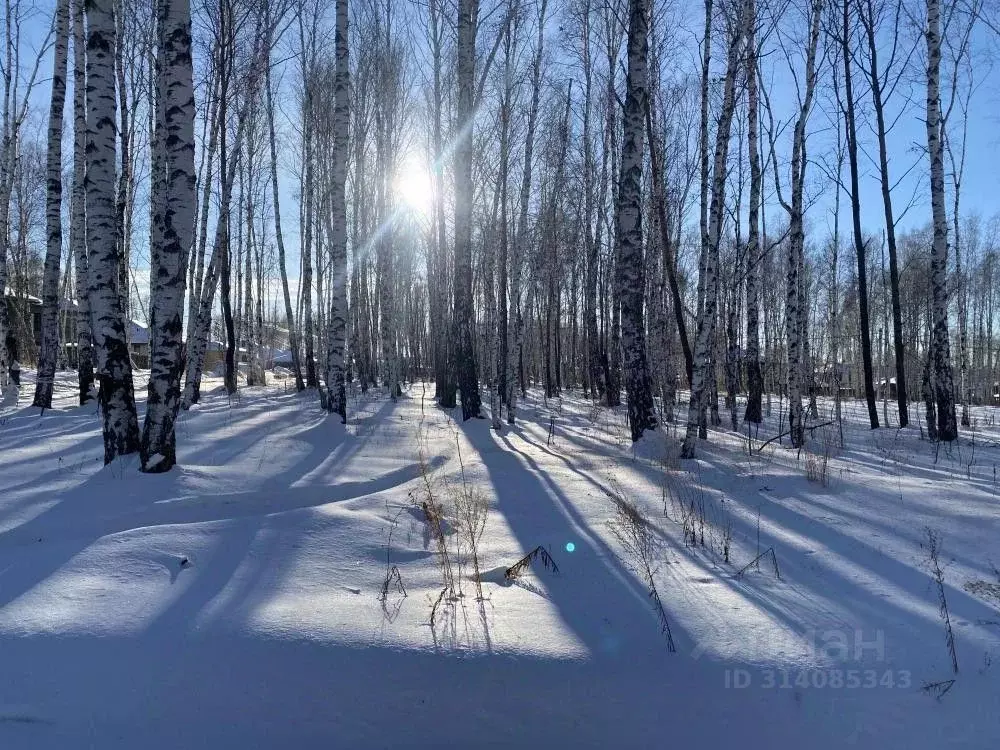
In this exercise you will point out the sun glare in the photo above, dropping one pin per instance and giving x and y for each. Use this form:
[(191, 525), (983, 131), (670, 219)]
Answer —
[(414, 187)]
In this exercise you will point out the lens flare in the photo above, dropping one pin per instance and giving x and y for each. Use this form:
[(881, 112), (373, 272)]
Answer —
[(414, 187)]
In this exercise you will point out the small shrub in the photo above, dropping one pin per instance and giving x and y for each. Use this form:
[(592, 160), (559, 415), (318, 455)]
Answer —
[(632, 530), (933, 559)]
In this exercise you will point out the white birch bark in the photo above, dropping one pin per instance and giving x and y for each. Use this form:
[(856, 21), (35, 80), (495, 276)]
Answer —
[(796, 239), (846, 42), (206, 177), (796, 231), (437, 265), (308, 61), (942, 382), (385, 243), (498, 331), (172, 233), (641, 411), (49, 351), (755, 378), (78, 212), (337, 327), (464, 313), (114, 370), (198, 340), (705, 338), (593, 371)]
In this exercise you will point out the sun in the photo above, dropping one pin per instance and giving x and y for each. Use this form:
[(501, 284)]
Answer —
[(414, 187)]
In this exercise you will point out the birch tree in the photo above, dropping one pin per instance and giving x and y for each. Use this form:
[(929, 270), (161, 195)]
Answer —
[(755, 377), (172, 235), (795, 246), (114, 369), (387, 124), (941, 388), (628, 221), (500, 343), (516, 325), (78, 212), (883, 78), (307, 53), (337, 326), (440, 321), (704, 369), (860, 248), (53, 214), (248, 89), (464, 315), (293, 334)]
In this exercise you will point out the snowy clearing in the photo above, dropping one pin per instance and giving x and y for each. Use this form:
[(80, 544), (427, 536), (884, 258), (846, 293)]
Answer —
[(234, 602)]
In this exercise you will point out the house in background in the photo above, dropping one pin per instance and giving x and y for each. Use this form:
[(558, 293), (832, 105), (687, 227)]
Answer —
[(215, 356), (24, 312), (137, 335), (828, 375), (215, 353), (138, 344), (886, 388)]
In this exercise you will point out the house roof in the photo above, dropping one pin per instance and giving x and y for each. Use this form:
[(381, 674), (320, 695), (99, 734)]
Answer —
[(8, 292), (138, 333)]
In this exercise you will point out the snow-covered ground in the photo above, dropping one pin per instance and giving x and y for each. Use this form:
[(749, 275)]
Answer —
[(234, 602)]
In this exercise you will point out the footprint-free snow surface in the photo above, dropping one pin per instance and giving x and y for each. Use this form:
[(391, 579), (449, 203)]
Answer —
[(284, 586)]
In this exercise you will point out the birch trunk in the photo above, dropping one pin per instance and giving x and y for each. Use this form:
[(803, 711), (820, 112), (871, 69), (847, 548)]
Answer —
[(666, 247), (199, 340), (703, 156), (337, 327), (552, 270), (464, 314), (641, 411), (705, 340), (114, 370), (834, 291), (755, 378), (249, 87), (308, 189), (960, 284), (520, 254), (593, 372), (207, 175), (175, 198), (53, 215), (941, 381), (501, 340), (385, 242), (859, 244), (293, 336), (875, 80), (78, 210), (437, 271), (796, 238)]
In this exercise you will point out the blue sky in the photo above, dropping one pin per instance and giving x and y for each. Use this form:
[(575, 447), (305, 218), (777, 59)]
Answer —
[(981, 180)]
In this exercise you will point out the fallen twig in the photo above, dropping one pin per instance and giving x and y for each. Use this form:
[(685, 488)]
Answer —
[(811, 428), (524, 563), (774, 562), (938, 689)]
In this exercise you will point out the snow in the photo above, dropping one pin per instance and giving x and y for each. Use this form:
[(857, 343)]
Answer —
[(233, 602)]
